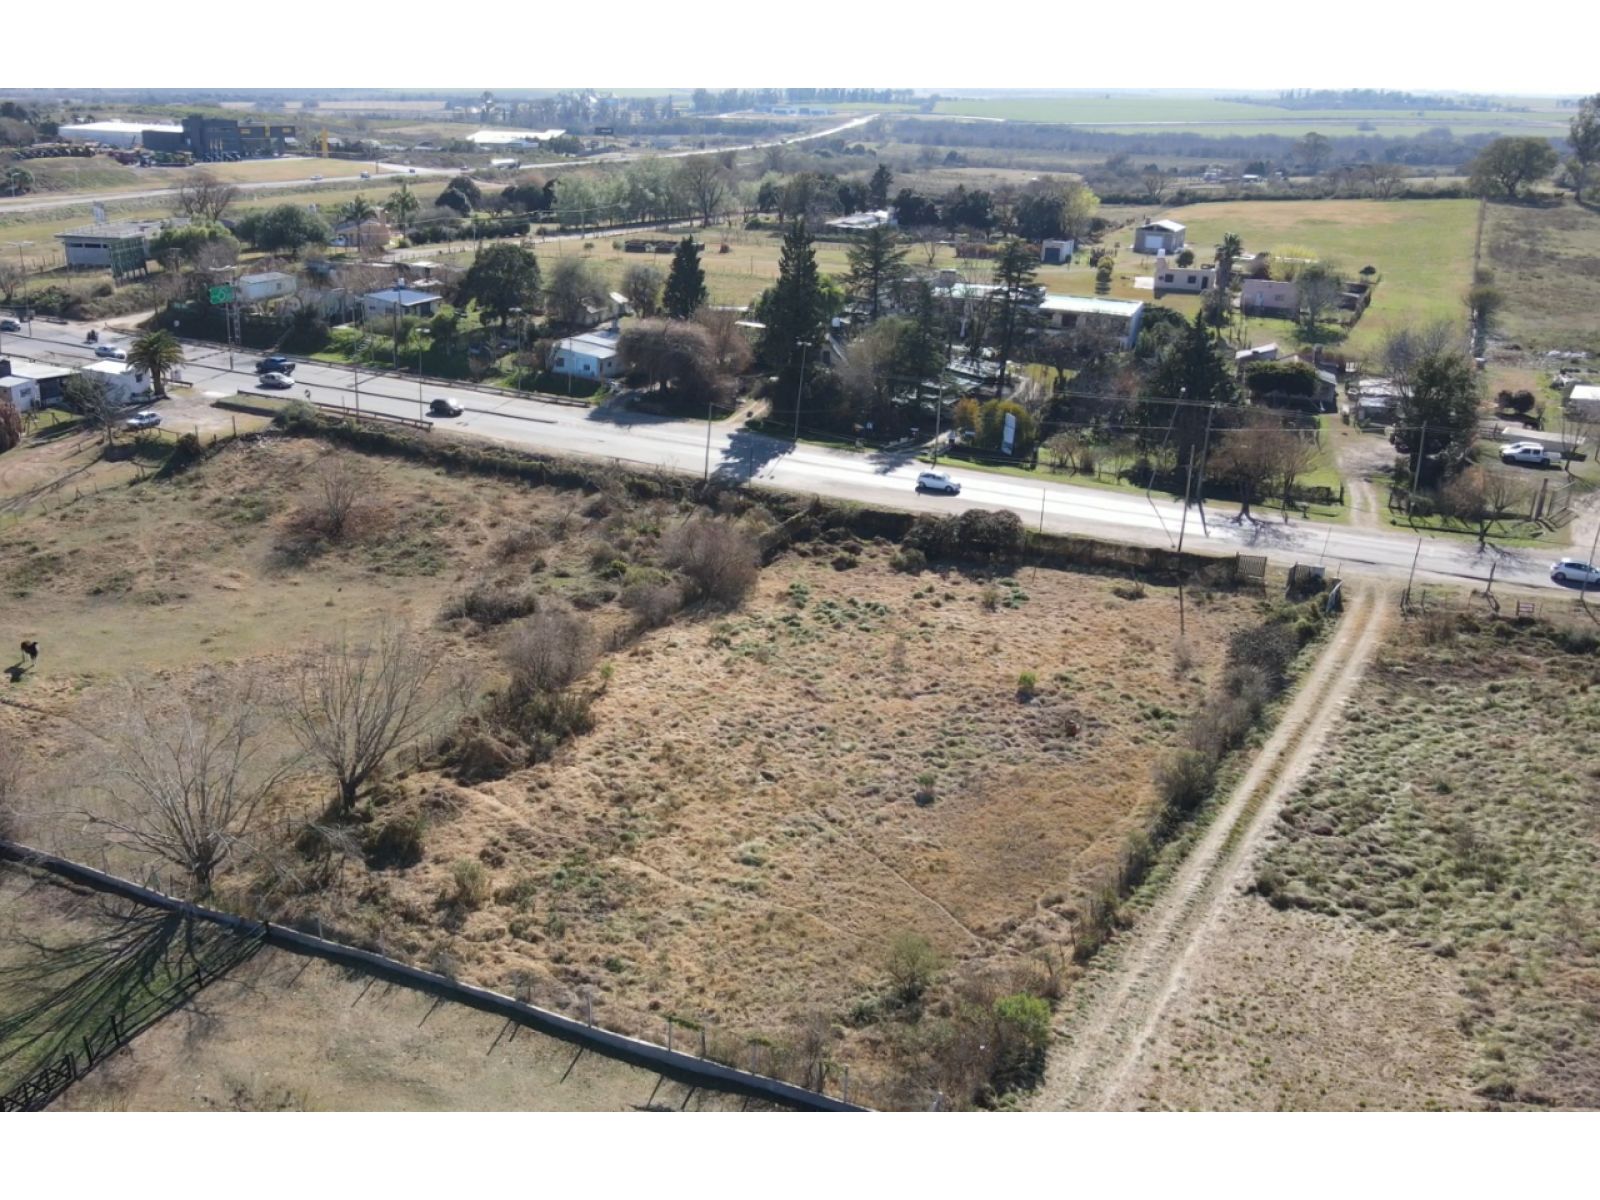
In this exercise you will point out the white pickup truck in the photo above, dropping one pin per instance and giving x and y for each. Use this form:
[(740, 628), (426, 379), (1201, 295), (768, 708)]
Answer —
[(1529, 454)]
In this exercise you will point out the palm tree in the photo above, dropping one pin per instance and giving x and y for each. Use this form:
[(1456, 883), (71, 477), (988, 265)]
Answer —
[(157, 353), (1231, 247), (403, 206), (358, 210)]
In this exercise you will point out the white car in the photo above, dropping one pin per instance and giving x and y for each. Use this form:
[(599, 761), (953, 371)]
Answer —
[(143, 420), (116, 352), (1532, 454), (1575, 570), (937, 481), (275, 379)]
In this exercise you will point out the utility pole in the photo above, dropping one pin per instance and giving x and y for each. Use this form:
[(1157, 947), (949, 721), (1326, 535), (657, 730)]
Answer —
[(22, 264), (1188, 481), (800, 389), (938, 413), (1205, 452), (1416, 474)]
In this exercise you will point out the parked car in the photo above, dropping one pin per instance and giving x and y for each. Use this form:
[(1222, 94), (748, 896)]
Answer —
[(937, 481), (444, 408), (316, 179), (276, 363), (143, 420), (1529, 454), (275, 379), (9, 325), (116, 352), (1575, 570)]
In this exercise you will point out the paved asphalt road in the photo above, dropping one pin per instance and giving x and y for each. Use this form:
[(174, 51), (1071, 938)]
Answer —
[(384, 170), (612, 432)]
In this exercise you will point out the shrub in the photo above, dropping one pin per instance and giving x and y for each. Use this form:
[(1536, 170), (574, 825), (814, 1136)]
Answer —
[(471, 889), (653, 603), (397, 843), (1270, 648), (1184, 780), (10, 426), (520, 893), (492, 604), (719, 560), (1027, 685), (1021, 1037), (549, 651), (912, 964), (909, 560)]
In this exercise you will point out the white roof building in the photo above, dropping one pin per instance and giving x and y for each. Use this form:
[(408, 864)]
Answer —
[(513, 137), (113, 133), (862, 221), (588, 355)]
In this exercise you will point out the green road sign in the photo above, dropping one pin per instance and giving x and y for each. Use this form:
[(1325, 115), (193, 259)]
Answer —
[(222, 294)]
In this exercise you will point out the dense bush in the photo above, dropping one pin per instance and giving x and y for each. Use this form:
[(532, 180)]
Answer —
[(398, 842), (471, 886), (719, 559), (492, 603), (548, 652)]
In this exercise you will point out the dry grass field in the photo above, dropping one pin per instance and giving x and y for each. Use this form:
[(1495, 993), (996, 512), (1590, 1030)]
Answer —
[(1546, 259), (1422, 929), (283, 1033), (770, 797)]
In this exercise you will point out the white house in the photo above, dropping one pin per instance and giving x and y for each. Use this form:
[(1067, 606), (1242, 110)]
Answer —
[(23, 393), (49, 378), (521, 139), (125, 384), (1266, 353), (1269, 298), (405, 301), (1159, 237), (1170, 278), (587, 356), (1056, 252), (1584, 402), (267, 285), (1119, 317)]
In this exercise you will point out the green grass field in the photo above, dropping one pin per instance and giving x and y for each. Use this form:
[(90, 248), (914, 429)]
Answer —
[(1422, 249)]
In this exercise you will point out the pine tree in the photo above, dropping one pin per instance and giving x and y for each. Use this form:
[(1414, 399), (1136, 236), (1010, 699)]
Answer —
[(878, 186), (686, 282), (1014, 273), (795, 318), (877, 261), (1191, 376)]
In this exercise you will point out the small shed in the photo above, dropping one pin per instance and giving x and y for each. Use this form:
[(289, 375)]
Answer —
[(1159, 237), (1057, 252)]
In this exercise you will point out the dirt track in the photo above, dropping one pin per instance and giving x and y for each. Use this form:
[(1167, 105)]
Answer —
[(1104, 1039)]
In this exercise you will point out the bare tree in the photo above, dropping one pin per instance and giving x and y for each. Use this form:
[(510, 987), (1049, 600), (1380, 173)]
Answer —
[(204, 197), (1155, 184), (1296, 452), (730, 345), (928, 239), (11, 278), (185, 780), (1318, 286), (1481, 497), (1384, 178), (641, 284), (355, 703), (1252, 456), (704, 181), (90, 397)]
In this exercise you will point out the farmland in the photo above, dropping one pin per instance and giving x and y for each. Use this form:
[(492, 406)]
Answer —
[(1420, 930), (769, 799)]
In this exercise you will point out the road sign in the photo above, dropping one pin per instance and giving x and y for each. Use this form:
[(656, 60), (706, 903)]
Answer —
[(222, 294)]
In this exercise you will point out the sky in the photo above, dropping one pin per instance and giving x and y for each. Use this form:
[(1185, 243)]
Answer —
[(1530, 48)]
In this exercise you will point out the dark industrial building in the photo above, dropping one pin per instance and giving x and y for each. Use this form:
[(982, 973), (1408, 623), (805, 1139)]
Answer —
[(216, 139)]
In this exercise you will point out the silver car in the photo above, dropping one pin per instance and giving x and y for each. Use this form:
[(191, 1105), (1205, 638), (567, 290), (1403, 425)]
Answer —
[(1575, 570)]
